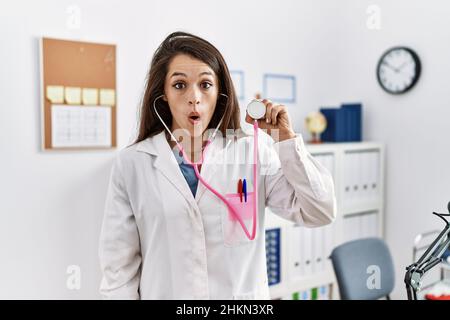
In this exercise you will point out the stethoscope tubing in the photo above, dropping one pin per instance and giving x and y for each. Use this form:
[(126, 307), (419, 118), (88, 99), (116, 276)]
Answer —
[(206, 184)]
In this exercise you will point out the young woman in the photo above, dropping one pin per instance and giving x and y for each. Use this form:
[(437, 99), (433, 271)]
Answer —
[(167, 235)]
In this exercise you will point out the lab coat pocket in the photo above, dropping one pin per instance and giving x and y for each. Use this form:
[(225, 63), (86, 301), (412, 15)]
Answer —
[(233, 226)]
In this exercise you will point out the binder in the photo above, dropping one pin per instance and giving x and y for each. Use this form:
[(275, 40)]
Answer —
[(331, 166), (336, 125), (373, 175), (348, 182), (328, 232), (305, 295), (300, 295), (357, 163), (355, 119), (318, 249), (369, 224), (351, 226), (364, 225), (314, 293), (346, 229), (330, 115), (307, 257), (324, 292), (376, 178), (366, 167), (373, 223), (273, 255), (327, 161), (356, 223), (295, 250), (343, 124), (353, 158)]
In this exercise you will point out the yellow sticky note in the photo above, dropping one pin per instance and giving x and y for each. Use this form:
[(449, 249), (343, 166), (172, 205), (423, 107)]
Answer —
[(55, 94), (72, 95), (107, 97), (90, 96)]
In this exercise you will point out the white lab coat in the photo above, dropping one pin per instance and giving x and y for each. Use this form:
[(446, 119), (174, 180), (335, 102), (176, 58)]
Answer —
[(159, 242)]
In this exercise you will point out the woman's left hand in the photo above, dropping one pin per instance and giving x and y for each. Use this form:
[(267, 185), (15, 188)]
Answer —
[(276, 121)]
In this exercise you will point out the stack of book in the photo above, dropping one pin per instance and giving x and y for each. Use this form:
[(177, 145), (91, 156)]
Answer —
[(344, 124)]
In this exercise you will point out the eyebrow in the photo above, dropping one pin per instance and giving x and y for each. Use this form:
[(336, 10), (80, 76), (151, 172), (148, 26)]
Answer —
[(184, 75)]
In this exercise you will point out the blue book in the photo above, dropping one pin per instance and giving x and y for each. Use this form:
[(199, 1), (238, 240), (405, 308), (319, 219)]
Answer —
[(336, 130), (345, 125), (330, 115), (355, 119)]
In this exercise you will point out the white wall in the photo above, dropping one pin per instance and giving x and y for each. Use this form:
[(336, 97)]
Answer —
[(52, 202)]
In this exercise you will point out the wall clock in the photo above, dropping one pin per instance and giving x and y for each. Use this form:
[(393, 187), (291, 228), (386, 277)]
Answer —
[(398, 70)]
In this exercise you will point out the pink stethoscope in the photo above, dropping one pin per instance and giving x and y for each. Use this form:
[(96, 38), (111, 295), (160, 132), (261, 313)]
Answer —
[(256, 109)]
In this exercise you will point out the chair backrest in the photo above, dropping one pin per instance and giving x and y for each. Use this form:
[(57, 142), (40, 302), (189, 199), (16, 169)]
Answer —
[(364, 269)]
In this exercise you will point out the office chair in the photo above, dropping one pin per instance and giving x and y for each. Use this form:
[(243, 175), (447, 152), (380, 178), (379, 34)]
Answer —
[(357, 262)]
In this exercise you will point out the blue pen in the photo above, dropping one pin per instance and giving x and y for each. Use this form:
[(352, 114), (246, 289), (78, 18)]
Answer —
[(244, 189)]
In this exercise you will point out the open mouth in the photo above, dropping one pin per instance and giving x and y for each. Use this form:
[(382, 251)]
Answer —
[(194, 118)]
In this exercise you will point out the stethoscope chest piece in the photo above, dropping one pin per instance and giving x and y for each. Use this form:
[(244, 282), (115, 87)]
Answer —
[(256, 109)]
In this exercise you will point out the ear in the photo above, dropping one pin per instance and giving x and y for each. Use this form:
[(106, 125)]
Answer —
[(164, 98)]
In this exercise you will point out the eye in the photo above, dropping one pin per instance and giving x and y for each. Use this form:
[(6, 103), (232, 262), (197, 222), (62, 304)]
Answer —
[(178, 85), (206, 85)]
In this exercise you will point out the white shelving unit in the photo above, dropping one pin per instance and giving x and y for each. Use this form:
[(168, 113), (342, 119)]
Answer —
[(358, 174)]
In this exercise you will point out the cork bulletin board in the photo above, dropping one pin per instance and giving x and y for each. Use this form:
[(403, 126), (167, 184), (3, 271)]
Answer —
[(78, 89)]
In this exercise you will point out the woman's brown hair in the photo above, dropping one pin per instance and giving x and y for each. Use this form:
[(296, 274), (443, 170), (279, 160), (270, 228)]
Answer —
[(198, 48)]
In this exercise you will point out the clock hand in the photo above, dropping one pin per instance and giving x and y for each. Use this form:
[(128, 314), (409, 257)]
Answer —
[(403, 65), (390, 67)]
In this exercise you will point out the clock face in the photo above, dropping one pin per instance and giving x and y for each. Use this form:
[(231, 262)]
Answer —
[(398, 70)]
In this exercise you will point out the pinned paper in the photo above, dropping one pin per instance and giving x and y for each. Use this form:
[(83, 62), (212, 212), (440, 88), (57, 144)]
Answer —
[(107, 97), (73, 95), (90, 96), (55, 94), (81, 126)]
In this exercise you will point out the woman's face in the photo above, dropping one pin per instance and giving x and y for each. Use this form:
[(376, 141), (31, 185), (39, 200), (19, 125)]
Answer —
[(191, 90)]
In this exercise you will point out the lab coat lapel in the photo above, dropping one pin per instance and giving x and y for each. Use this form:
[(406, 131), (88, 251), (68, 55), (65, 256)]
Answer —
[(208, 171), (166, 163)]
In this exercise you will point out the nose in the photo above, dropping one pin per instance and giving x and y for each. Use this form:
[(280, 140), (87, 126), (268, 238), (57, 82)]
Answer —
[(194, 97)]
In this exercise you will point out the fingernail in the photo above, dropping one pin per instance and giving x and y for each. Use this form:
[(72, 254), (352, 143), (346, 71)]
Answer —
[(267, 120)]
